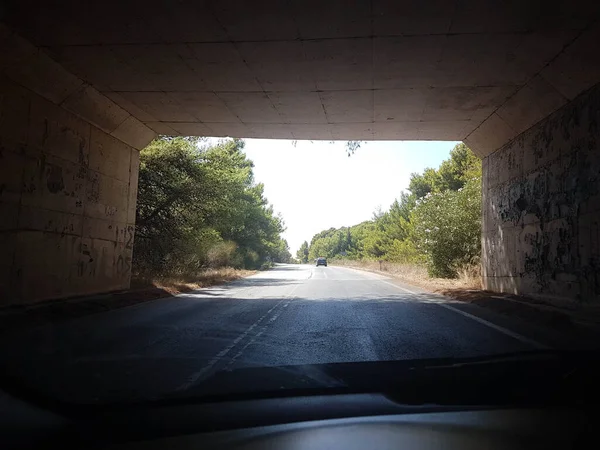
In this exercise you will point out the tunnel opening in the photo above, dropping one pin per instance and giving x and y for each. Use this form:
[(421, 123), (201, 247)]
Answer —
[(355, 202)]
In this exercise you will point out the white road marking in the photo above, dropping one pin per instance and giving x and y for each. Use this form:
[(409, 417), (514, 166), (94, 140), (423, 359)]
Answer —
[(503, 330), (398, 287), (325, 274), (512, 334), (215, 359), (256, 336)]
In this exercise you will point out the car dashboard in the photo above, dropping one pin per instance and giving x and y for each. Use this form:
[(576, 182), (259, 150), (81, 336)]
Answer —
[(354, 421)]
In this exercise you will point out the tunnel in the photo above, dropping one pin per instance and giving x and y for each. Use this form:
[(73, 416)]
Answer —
[(83, 88)]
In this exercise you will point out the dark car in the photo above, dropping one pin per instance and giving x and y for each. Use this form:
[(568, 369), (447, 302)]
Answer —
[(321, 262)]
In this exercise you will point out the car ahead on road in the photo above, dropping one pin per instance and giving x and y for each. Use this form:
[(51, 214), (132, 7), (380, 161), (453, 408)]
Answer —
[(321, 262)]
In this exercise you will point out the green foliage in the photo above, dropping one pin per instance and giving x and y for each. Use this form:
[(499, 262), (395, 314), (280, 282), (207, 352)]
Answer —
[(302, 253), (352, 146), (281, 252), (436, 223), (452, 174), (447, 228), (198, 206)]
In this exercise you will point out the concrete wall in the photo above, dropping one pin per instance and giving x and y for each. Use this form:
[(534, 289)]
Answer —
[(541, 207), (68, 181)]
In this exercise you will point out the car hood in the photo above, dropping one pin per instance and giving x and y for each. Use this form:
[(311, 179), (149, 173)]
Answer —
[(514, 377)]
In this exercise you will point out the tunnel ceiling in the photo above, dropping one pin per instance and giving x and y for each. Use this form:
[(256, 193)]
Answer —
[(480, 71)]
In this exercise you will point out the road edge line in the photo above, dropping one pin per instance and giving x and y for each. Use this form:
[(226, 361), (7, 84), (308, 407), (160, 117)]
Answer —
[(489, 324), (503, 330)]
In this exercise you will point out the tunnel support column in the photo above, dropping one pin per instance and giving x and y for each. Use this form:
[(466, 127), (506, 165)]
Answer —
[(69, 160), (541, 208)]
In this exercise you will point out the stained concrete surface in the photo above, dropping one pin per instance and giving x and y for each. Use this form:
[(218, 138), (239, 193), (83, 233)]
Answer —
[(67, 198), (368, 69), (541, 208), (290, 315)]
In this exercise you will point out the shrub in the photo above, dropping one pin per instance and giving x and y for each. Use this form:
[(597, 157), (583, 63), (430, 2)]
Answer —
[(447, 229)]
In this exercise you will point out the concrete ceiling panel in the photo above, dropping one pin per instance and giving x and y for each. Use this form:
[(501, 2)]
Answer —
[(188, 21), (400, 62), (352, 131), (190, 128), (485, 16), (480, 60), (278, 66), (536, 100), (161, 128), (99, 66), (577, 68), (63, 23), (299, 107), (44, 76), (161, 65), (256, 21), (229, 130), (536, 50), (251, 107), (450, 130), (96, 108), (14, 49), (310, 131), (159, 105), (571, 15), (343, 69), (273, 130), (134, 133), (394, 18), (396, 130), (400, 105), (340, 64), (221, 67), (490, 136), (130, 107), (348, 106), (334, 19), (463, 103), (204, 106)]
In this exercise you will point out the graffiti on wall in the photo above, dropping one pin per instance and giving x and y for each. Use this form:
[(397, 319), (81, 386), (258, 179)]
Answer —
[(552, 185)]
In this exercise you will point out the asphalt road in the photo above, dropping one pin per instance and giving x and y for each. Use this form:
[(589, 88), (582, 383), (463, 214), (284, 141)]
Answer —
[(289, 315)]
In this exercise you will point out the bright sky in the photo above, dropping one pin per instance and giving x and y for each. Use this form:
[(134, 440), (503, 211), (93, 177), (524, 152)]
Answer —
[(315, 186)]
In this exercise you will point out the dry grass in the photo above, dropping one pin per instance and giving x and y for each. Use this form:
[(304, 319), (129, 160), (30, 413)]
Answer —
[(179, 284), (468, 278)]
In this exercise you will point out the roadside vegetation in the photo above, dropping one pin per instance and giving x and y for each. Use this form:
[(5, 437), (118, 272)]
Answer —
[(433, 228), (199, 209)]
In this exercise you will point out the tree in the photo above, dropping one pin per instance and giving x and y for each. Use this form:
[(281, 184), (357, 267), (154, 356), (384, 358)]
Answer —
[(199, 206), (281, 252), (352, 146), (422, 184), (448, 229), (437, 222), (451, 175), (302, 253)]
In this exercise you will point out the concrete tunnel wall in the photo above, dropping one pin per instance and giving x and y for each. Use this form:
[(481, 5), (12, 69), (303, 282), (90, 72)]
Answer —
[(68, 180), (541, 208), (69, 163)]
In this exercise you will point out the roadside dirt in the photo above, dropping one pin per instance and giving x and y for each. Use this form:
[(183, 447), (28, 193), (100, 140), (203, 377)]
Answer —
[(142, 290), (578, 319)]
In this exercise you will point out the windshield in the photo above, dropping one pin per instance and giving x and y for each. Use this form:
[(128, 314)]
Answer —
[(162, 232)]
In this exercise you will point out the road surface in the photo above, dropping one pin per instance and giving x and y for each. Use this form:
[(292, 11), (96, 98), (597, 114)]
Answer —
[(289, 315)]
